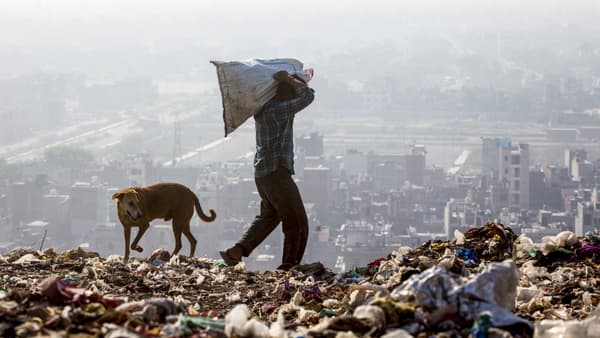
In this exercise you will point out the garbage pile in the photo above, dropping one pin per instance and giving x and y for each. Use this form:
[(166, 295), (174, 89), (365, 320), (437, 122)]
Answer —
[(487, 282)]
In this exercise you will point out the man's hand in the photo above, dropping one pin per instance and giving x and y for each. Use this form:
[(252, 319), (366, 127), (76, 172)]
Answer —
[(296, 83), (284, 77)]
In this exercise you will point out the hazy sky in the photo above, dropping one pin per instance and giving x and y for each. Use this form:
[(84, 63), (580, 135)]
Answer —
[(31, 17), (128, 7), (61, 34)]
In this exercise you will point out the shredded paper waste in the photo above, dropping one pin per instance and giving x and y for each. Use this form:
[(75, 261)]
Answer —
[(487, 282)]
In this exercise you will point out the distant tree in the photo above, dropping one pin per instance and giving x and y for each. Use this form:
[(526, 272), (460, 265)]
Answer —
[(9, 170), (68, 157)]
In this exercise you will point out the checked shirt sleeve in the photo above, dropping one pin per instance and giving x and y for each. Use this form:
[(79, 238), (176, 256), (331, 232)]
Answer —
[(290, 107)]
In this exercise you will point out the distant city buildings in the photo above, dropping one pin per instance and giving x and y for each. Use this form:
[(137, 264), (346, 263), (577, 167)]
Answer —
[(361, 205)]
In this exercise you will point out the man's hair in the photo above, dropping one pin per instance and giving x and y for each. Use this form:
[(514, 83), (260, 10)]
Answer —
[(285, 92)]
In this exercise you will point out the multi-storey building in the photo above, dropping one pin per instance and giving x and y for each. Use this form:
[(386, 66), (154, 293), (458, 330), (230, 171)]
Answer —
[(513, 170)]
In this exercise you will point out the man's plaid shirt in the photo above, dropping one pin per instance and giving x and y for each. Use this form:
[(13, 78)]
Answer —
[(274, 133)]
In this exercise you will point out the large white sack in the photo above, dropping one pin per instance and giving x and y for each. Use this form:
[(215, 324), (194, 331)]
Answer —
[(248, 85)]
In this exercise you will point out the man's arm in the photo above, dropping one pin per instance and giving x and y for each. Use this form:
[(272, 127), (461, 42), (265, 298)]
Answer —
[(284, 77), (285, 109), (304, 95)]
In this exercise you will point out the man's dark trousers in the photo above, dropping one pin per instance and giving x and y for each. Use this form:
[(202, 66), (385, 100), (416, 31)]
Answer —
[(281, 202)]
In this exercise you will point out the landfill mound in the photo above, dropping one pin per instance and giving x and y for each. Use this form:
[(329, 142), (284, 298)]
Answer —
[(487, 282)]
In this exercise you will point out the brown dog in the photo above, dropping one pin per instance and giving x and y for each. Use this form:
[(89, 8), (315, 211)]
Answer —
[(138, 206)]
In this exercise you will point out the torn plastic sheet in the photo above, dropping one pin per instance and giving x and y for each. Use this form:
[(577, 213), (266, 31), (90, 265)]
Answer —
[(494, 290), (497, 284), (429, 288), (587, 328)]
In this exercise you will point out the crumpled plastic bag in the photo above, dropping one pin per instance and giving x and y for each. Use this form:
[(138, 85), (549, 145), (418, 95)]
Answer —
[(561, 240), (459, 237), (28, 259), (494, 290), (372, 314), (587, 328), (429, 288), (398, 333), (247, 86), (526, 294), (364, 294), (496, 284), (110, 330), (534, 273), (238, 325), (524, 247)]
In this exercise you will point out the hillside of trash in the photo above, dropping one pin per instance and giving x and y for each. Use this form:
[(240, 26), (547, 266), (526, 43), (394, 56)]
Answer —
[(487, 282)]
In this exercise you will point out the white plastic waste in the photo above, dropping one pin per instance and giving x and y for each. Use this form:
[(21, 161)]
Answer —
[(200, 279), (27, 259), (399, 333), (277, 329), (459, 236), (236, 319), (429, 288), (494, 290), (496, 284), (562, 239), (523, 246), (534, 273), (373, 314), (587, 328), (238, 325), (526, 294), (113, 259)]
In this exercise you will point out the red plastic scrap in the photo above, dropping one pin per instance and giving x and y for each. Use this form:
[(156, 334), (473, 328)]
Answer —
[(376, 262), (209, 314), (160, 254), (61, 293), (268, 307)]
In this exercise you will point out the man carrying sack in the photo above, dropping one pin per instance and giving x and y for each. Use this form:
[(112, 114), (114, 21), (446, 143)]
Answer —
[(273, 170)]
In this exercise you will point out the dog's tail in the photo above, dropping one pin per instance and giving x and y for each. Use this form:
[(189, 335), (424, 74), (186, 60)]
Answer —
[(201, 214)]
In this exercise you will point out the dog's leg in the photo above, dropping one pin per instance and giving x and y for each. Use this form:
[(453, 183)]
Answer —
[(177, 230), (127, 232), (141, 230), (190, 237)]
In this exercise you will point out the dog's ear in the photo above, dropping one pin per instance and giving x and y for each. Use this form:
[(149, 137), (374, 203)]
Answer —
[(117, 195), (136, 194)]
